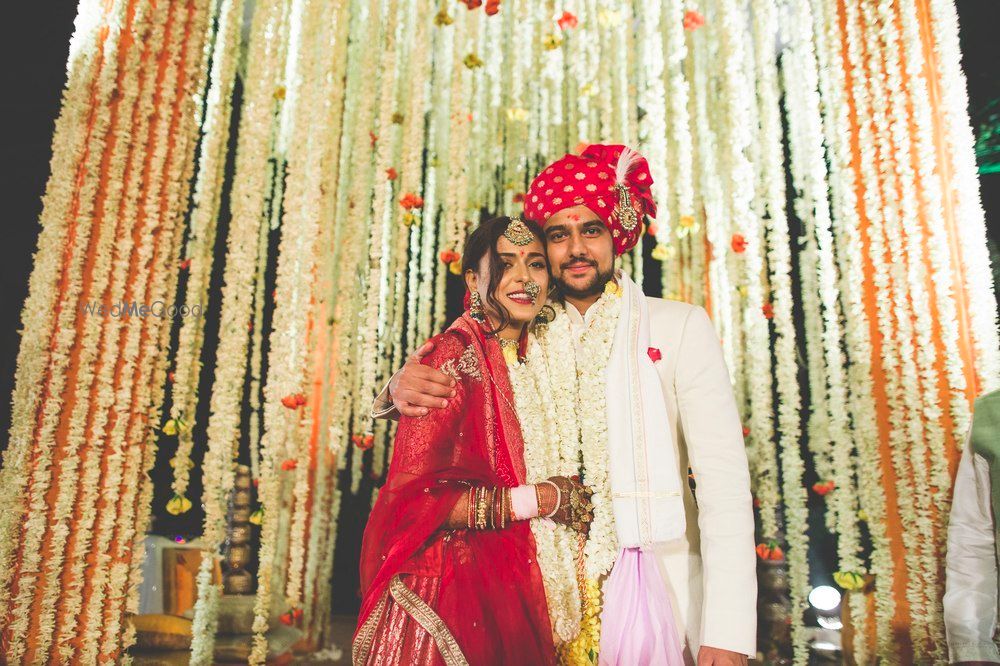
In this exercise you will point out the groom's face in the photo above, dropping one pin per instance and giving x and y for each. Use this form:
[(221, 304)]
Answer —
[(581, 252)]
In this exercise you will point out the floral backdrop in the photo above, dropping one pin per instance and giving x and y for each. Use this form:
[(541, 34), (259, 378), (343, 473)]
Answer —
[(815, 175)]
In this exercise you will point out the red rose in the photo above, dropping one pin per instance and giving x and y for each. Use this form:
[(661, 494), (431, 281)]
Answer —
[(519, 197), (289, 464), (186, 264), (654, 354), (290, 401), (746, 431), (739, 244), (449, 256), (768, 310), (391, 173)]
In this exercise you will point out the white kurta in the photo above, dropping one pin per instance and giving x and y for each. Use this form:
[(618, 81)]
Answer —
[(711, 571), (970, 598)]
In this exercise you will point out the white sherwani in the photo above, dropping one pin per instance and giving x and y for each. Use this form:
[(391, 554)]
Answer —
[(711, 571)]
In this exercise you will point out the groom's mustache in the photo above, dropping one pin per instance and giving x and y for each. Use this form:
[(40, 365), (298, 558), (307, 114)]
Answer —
[(578, 262)]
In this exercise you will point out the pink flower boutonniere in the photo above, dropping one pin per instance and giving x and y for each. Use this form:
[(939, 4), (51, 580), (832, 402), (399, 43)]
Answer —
[(654, 354)]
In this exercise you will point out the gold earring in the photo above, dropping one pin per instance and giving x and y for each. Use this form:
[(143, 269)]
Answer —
[(476, 310)]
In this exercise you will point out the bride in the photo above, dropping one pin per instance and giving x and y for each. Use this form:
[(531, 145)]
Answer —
[(449, 573)]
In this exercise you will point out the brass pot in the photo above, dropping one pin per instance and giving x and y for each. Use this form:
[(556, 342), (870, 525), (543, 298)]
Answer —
[(238, 582), (239, 534), (238, 556), (241, 497)]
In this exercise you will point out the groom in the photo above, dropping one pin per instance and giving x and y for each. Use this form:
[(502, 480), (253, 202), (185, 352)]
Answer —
[(592, 207)]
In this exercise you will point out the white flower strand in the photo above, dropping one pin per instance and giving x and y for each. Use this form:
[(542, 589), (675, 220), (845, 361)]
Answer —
[(873, 208), (942, 271), (265, 63), (843, 194), (772, 181), (968, 209)]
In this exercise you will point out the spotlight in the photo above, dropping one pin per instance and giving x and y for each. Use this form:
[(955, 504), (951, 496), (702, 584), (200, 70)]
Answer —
[(824, 598)]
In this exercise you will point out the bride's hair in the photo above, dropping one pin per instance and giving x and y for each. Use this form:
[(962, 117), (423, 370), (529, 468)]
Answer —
[(483, 241)]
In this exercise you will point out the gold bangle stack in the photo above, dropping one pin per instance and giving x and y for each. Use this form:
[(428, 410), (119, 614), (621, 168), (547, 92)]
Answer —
[(489, 508)]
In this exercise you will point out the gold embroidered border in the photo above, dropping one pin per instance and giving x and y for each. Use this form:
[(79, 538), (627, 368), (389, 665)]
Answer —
[(362, 645), (429, 620)]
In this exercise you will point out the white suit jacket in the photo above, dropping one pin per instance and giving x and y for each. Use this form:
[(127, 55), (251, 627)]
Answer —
[(711, 572)]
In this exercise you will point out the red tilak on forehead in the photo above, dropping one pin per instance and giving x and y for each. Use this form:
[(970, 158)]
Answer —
[(521, 252), (573, 217)]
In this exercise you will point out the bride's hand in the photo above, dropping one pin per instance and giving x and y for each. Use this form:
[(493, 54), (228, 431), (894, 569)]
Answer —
[(575, 509)]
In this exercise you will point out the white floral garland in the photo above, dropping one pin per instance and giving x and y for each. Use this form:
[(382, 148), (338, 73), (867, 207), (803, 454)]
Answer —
[(265, 63), (969, 215), (772, 183), (843, 189), (558, 437), (873, 207), (942, 275)]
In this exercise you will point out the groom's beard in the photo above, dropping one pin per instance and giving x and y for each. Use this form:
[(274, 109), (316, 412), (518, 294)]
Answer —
[(592, 287)]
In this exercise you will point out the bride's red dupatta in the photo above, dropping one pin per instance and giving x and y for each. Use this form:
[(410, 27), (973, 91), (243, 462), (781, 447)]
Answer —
[(486, 603)]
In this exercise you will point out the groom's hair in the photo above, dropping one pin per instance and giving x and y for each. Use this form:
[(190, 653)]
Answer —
[(482, 242)]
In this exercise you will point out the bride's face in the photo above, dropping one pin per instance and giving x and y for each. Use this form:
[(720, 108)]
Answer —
[(524, 281)]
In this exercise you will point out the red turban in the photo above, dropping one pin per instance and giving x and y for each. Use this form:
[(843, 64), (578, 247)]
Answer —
[(611, 180)]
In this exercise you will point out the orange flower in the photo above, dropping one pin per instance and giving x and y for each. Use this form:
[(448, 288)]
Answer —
[(374, 137), (823, 487), (768, 310), (449, 256), (693, 20), (289, 464), (770, 551), (738, 243), (294, 400), (518, 197), (391, 173), (492, 7), (746, 431), (409, 201), (363, 442), (567, 21), (170, 377), (186, 264), (652, 229)]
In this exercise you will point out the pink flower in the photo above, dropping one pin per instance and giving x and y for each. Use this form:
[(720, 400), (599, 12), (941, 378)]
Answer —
[(654, 354)]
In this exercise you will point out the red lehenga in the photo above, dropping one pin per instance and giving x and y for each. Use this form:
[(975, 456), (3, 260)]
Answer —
[(435, 596)]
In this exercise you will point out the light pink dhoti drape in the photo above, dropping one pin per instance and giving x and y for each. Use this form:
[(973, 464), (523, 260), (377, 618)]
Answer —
[(637, 621)]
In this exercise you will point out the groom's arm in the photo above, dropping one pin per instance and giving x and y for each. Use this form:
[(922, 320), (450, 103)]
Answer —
[(413, 389), (714, 438)]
